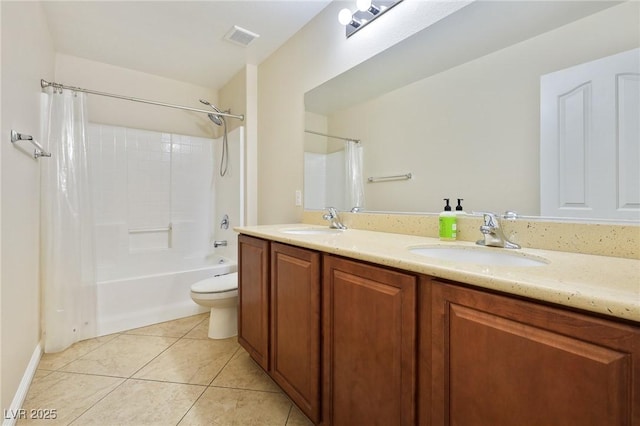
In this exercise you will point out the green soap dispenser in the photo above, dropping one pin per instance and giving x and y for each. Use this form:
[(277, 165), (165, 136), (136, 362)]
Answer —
[(447, 222)]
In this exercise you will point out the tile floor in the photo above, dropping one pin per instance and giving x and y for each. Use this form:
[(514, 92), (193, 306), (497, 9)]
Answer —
[(165, 374)]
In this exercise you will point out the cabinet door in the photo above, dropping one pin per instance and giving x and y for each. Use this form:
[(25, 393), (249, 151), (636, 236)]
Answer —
[(499, 361), (369, 326), (253, 298), (295, 325)]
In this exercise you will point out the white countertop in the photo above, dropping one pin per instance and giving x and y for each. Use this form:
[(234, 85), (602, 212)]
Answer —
[(601, 284)]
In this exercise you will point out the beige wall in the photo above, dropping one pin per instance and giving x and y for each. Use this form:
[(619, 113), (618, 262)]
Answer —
[(473, 132), (315, 54), (27, 56), (79, 72), (234, 96)]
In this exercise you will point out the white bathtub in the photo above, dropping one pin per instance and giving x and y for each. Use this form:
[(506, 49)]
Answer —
[(139, 301)]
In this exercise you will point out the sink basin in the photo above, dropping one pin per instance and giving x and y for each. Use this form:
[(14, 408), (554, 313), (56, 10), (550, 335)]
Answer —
[(311, 231), (479, 255)]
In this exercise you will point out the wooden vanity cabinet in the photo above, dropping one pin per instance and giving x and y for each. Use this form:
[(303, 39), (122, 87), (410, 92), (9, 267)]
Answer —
[(357, 344), (279, 316), (295, 325), (498, 360), (253, 298), (369, 354)]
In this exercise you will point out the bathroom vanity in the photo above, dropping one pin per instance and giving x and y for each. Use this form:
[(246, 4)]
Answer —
[(358, 329)]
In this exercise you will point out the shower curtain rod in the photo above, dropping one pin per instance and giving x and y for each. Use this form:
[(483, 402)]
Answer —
[(44, 83), (334, 137)]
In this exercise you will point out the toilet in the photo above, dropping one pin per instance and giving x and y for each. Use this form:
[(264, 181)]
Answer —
[(220, 293)]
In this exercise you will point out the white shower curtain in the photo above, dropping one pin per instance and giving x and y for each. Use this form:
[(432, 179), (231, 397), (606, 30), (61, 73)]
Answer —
[(353, 175), (67, 244)]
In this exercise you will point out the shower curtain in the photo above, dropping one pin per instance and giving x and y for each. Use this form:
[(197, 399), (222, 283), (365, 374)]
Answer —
[(353, 175), (66, 246)]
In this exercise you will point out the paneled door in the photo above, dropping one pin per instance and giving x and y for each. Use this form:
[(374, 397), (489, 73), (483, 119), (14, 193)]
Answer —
[(590, 139)]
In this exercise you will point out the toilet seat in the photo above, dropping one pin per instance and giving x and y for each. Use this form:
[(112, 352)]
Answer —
[(218, 284)]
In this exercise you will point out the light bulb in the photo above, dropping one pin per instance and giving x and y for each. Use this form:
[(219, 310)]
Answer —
[(345, 16), (363, 5)]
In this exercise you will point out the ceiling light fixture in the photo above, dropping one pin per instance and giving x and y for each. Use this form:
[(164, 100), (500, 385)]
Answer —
[(365, 13), (345, 17), (367, 6)]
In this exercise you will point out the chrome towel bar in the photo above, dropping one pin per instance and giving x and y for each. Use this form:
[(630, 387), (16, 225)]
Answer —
[(38, 152), (406, 176)]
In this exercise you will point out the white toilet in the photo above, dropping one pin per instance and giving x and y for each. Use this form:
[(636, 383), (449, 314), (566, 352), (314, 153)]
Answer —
[(219, 293)]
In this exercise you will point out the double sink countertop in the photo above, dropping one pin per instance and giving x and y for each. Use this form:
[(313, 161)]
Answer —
[(600, 284)]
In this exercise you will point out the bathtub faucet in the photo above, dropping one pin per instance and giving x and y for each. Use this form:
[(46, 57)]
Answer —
[(225, 222), (218, 243)]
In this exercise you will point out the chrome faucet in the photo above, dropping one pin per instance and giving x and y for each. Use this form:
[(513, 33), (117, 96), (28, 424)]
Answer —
[(219, 243), (333, 217), (492, 231)]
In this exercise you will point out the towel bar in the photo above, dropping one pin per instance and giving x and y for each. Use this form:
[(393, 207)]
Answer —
[(389, 178), (38, 152)]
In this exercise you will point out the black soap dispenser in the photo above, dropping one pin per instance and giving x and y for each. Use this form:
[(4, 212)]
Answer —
[(459, 209)]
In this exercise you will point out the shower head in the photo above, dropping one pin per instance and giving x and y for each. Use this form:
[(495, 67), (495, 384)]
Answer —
[(217, 119)]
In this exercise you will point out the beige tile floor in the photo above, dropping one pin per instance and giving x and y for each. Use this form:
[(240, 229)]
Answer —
[(165, 374)]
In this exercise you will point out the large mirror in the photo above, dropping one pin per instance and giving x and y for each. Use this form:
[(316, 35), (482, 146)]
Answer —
[(454, 110)]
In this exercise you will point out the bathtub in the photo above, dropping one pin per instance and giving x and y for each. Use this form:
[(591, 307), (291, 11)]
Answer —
[(139, 301)]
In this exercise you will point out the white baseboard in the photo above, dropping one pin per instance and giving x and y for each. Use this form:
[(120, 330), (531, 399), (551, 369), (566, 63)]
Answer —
[(13, 413)]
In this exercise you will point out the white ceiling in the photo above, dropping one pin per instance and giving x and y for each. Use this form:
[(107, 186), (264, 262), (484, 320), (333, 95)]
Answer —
[(181, 40)]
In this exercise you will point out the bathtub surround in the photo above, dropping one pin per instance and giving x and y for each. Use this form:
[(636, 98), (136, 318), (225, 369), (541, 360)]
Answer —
[(66, 228), (153, 196), (159, 205)]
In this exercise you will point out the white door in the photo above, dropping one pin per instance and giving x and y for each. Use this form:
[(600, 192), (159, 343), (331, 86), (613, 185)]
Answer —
[(590, 139)]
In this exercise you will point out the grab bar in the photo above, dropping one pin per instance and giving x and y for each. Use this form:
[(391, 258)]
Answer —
[(38, 152), (406, 176), (145, 230)]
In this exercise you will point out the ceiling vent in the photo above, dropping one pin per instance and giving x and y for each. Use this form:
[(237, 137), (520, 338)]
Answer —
[(240, 36)]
